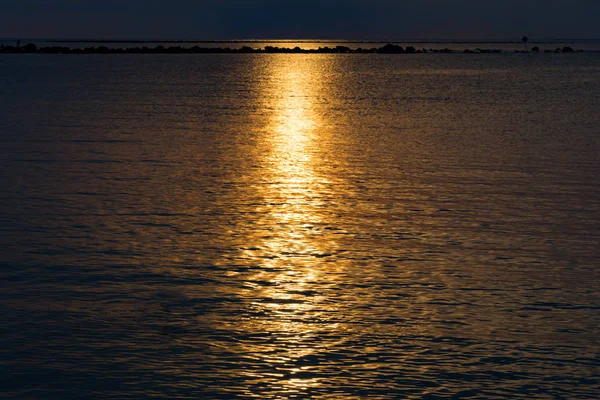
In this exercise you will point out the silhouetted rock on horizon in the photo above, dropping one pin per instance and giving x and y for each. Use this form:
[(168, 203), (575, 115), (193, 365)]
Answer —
[(390, 49), (446, 50), (30, 48), (487, 51), (343, 49)]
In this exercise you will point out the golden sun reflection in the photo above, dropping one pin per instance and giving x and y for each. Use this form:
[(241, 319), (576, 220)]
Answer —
[(293, 194), (293, 191), (291, 154), (294, 253)]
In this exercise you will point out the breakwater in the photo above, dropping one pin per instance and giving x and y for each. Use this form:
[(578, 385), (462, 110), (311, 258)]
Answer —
[(387, 49)]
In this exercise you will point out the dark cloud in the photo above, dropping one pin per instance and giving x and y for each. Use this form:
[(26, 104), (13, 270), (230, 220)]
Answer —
[(353, 19)]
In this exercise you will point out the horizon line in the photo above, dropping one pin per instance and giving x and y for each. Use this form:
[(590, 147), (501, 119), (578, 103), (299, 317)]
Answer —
[(258, 40)]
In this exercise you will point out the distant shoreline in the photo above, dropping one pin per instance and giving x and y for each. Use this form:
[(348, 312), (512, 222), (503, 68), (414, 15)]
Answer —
[(386, 49), (234, 41), (404, 41)]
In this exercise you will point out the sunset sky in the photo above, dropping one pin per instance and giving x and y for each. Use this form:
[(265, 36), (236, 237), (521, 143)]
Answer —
[(300, 19)]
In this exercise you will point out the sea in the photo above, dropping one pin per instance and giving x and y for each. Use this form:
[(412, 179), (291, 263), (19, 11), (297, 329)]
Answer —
[(300, 226)]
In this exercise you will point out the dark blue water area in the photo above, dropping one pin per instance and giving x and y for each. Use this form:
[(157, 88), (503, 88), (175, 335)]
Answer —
[(300, 226)]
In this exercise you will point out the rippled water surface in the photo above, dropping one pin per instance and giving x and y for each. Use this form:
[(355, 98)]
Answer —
[(300, 226)]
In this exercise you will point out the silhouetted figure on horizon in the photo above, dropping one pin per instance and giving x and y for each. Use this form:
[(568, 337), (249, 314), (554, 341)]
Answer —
[(525, 39)]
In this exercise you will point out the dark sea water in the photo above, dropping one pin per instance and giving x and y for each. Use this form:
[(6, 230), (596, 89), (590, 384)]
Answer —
[(300, 226)]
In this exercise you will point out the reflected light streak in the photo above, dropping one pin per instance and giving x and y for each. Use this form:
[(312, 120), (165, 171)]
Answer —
[(294, 190), (293, 206), (295, 187), (291, 154)]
